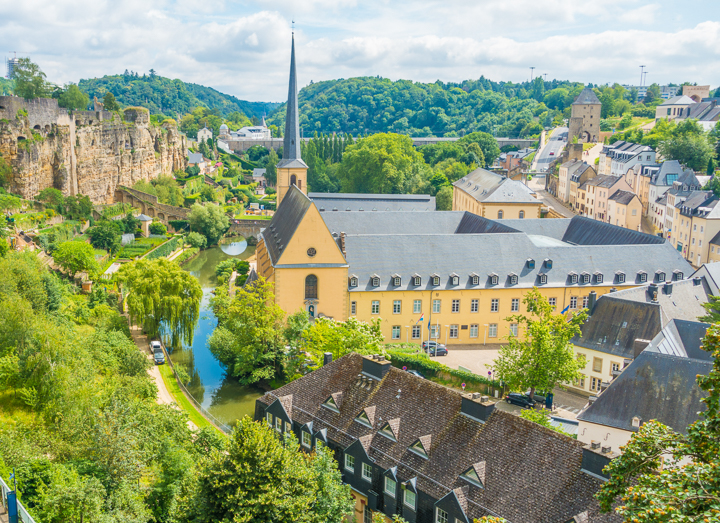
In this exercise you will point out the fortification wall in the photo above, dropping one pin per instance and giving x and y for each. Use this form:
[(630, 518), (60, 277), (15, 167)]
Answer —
[(84, 152)]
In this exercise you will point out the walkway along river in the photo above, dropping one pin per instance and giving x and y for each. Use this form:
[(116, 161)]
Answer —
[(218, 393)]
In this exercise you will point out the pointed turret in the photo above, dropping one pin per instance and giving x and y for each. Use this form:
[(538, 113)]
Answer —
[(291, 141)]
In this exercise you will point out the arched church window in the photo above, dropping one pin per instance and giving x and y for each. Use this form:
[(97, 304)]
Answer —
[(311, 287), (293, 180)]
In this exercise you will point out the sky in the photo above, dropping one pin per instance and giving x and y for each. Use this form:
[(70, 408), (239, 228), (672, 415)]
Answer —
[(243, 47)]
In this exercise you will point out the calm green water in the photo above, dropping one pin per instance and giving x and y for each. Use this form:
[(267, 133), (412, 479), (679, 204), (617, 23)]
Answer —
[(210, 385)]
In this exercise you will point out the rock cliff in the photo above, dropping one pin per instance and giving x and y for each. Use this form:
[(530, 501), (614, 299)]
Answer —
[(84, 152)]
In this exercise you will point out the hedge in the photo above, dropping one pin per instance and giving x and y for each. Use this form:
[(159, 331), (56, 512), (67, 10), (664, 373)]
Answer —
[(164, 249), (179, 225), (431, 367)]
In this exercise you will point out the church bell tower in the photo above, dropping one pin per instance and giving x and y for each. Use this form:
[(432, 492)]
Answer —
[(291, 170)]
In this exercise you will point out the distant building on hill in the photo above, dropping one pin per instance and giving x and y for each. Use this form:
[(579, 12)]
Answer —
[(204, 134)]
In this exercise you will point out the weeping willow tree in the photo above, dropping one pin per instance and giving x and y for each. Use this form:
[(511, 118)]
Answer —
[(162, 296)]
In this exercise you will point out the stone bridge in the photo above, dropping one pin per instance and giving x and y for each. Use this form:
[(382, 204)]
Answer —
[(149, 205), (247, 228)]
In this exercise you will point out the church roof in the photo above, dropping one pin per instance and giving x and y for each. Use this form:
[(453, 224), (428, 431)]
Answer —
[(285, 222), (291, 141), (586, 97), (372, 202)]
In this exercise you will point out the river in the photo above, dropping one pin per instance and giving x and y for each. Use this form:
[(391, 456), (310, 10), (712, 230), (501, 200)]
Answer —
[(220, 394)]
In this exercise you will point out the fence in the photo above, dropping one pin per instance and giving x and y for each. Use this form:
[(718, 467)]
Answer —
[(22, 513), (224, 427)]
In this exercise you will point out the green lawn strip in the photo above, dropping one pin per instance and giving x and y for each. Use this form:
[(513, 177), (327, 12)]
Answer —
[(193, 414)]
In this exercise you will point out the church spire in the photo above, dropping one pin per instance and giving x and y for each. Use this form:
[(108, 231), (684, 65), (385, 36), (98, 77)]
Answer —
[(291, 142)]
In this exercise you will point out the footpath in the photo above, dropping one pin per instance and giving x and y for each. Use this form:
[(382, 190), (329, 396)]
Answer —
[(164, 397)]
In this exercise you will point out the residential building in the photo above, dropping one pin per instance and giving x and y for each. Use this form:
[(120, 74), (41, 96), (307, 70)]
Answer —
[(204, 134), (666, 91), (696, 221), (617, 158), (595, 192), (514, 159), (673, 108), (659, 178), (714, 255), (581, 174), (658, 214), (431, 454), (494, 196), (622, 323), (565, 171), (399, 265), (710, 273), (660, 384), (197, 160), (585, 117), (624, 210)]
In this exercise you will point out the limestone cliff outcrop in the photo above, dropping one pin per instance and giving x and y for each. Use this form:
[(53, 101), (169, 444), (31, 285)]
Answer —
[(84, 152)]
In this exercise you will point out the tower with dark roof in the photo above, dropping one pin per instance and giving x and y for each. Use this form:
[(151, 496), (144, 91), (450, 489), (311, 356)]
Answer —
[(291, 170), (585, 117)]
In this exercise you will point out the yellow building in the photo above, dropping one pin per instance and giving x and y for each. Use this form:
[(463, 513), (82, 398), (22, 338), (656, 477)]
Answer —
[(460, 273), (624, 210), (494, 196)]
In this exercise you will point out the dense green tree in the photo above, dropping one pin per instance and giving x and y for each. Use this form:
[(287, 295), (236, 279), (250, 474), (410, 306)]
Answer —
[(249, 339), (75, 256), (29, 80), (106, 235), (209, 220), (341, 337), (78, 207), (52, 197), (443, 199), (543, 356), (157, 228), (73, 98), (109, 102), (691, 150), (664, 476), (488, 145), (197, 240), (162, 298), (262, 478), (130, 223), (271, 167)]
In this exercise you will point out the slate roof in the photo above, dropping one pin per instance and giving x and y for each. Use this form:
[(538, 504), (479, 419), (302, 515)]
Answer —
[(575, 177), (291, 138), (678, 100), (259, 173), (604, 180), (586, 97), (522, 484), (329, 202), (487, 186), (284, 223), (622, 197), (660, 384), (710, 273), (669, 171), (195, 158)]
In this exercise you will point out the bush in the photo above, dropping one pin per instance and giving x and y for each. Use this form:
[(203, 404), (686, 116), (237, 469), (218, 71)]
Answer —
[(157, 228), (430, 367), (165, 249), (186, 255), (196, 240), (179, 225)]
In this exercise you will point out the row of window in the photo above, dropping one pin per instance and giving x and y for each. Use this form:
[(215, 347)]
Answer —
[(409, 497), (305, 436), (453, 330)]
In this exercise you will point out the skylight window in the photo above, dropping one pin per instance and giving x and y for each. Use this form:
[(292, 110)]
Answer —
[(363, 419), (419, 449), (388, 432)]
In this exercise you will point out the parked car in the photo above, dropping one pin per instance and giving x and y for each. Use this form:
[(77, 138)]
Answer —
[(158, 353), (416, 373), (539, 397), (552, 153), (521, 400), (434, 348)]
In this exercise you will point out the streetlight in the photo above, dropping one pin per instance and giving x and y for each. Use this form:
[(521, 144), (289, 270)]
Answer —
[(485, 335)]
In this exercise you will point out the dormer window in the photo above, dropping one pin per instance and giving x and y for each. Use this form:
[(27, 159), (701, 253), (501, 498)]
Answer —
[(548, 263), (435, 280), (620, 277), (363, 419), (542, 278), (333, 403), (513, 278), (375, 281), (573, 277), (530, 263), (636, 422), (388, 431), (454, 279), (493, 278), (677, 275), (642, 276), (659, 276), (353, 281), (585, 277), (397, 280), (417, 281), (475, 279), (475, 475), (598, 277), (420, 448)]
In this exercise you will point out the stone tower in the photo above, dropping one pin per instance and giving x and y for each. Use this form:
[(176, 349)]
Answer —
[(585, 117), (291, 170)]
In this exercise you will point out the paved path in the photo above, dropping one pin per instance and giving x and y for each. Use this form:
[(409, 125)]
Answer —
[(164, 397), (555, 144), (552, 202)]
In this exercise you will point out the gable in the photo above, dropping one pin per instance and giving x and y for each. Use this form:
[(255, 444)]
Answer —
[(453, 503), (278, 410), (311, 233)]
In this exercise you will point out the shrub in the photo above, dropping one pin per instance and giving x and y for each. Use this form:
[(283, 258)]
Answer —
[(157, 228), (431, 367), (164, 250), (196, 240)]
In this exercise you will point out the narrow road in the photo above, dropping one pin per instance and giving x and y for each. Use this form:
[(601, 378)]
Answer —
[(555, 144), (164, 397)]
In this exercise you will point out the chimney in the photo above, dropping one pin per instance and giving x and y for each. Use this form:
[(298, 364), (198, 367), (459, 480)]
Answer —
[(327, 358), (341, 243), (476, 406), (668, 287), (653, 292), (594, 460), (639, 346), (697, 281), (375, 366), (592, 300)]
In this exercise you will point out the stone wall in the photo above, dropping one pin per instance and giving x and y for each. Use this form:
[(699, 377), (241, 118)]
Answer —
[(84, 152)]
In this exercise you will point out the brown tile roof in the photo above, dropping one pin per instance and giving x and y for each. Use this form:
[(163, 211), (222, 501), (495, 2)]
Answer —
[(532, 474)]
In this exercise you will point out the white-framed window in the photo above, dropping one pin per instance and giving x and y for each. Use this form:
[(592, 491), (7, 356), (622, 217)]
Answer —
[(621, 277), (417, 306), (455, 280), (417, 281), (513, 279), (269, 419), (353, 282), (455, 306), (643, 275), (595, 384), (397, 280), (494, 279), (436, 307), (598, 278), (397, 306), (514, 329), (580, 382), (474, 305), (476, 280), (453, 331), (436, 281), (375, 307), (367, 515), (492, 330), (366, 472), (474, 330), (614, 366), (573, 302), (573, 278), (278, 424), (586, 278), (390, 486), (409, 498), (543, 279), (349, 463), (306, 439), (495, 305), (396, 332), (376, 282), (416, 331), (434, 331), (515, 305), (288, 427), (440, 515), (585, 302), (353, 307)]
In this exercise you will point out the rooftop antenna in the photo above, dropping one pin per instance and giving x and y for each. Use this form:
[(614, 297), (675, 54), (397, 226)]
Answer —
[(642, 67)]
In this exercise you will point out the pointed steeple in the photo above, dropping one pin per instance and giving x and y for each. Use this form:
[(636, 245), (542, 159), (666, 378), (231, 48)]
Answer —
[(291, 141)]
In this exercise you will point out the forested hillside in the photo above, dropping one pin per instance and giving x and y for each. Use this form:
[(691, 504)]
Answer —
[(169, 97), (370, 104), (6, 86)]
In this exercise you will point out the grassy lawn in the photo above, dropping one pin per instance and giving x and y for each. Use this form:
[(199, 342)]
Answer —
[(588, 145), (180, 398)]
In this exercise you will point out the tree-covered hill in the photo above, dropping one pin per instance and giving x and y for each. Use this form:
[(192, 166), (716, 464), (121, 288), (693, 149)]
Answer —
[(373, 104), (170, 97)]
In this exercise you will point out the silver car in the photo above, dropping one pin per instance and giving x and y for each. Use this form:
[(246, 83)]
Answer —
[(158, 354)]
